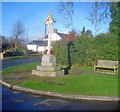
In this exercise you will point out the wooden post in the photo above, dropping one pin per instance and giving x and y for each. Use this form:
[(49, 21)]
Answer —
[(94, 67), (114, 69), (1, 56)]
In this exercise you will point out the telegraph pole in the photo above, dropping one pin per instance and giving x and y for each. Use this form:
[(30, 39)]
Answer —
[(27, 36)]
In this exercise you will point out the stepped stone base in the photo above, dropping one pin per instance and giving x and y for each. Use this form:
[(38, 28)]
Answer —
[(47, 64), (48, 60), (48, 67), (48, 74)]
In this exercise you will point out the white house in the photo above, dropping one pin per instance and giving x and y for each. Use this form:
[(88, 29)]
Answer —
[(41, 45), (32, 47), (55, 36)]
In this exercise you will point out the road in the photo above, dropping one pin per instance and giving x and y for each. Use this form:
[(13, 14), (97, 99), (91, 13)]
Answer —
[(16, 100), (15, 62)]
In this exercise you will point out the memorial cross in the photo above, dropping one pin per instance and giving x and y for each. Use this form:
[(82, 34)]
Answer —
[(49, 21)]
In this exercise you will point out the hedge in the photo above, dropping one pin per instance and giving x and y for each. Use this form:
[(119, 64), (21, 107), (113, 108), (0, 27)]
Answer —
[(86, 51)]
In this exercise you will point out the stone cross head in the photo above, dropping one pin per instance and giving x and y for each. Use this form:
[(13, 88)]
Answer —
[(49, 19)]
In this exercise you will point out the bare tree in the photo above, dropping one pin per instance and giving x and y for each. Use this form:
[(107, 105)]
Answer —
[(66, 10), (12, 43), (99, 12), (17, 31)]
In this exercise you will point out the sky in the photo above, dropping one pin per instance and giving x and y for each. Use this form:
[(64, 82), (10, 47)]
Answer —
[(33, 15)]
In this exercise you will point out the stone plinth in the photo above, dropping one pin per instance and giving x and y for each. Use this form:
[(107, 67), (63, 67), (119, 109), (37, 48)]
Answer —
[(48, 67), (48, 74), (48, 60)]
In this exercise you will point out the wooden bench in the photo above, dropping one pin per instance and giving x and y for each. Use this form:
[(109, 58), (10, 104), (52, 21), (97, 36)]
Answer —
[(107, 64)]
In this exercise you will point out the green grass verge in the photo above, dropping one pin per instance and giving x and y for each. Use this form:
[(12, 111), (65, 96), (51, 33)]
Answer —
[(12, 57), (80, 68), (85, 84), (20, 68), (87, 69), (74, 83), (91, 69)]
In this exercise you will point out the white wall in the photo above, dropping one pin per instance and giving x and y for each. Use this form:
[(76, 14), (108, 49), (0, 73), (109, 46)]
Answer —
[(54, 37), (42, 48), (32, 47), (44, 39)]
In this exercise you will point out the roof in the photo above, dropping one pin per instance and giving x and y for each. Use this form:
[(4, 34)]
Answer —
[(41, 43), (62, 35), (45, 37)]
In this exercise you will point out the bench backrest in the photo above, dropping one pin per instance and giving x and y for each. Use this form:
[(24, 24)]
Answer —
[(107, 63)]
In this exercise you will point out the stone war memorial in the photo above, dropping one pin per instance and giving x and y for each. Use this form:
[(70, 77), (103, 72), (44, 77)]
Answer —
[(48, 65)]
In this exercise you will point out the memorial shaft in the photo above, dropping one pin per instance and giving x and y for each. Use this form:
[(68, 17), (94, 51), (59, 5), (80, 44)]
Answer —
[(49, 38)]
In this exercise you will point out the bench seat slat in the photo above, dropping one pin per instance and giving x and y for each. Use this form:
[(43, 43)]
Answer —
[(106, 67), (107, 64)]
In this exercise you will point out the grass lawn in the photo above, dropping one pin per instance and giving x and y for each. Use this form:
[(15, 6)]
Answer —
[(73, 83), (17, 71), (12, 57), (87, 69), (91, 69)]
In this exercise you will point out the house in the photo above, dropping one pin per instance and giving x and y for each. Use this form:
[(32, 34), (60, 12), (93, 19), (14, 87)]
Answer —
[(39, 45), (42, 45), (34, 45), (55, 36)]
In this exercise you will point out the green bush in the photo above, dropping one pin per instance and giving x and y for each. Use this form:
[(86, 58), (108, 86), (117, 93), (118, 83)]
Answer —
[(86, 51), (23, 51), (60, 50), (106, 46), (13, 53), (83, 52)]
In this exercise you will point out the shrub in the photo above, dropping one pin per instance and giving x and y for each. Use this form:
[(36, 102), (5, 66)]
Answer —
[(82, 51), (60, 50), (13, 53), (106, 46), (86, 51)]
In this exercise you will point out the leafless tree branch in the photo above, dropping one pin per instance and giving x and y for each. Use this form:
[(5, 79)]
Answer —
[(66, 10)]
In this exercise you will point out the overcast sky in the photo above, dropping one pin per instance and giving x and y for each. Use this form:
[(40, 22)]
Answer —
[(33, 14)]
